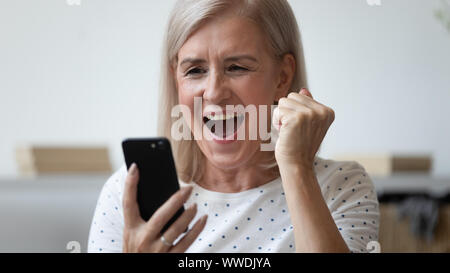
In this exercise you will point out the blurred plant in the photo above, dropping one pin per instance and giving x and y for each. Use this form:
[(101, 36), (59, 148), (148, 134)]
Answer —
[(443, 13)]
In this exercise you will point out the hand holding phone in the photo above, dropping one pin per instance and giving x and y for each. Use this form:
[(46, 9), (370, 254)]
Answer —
[(152, 222)]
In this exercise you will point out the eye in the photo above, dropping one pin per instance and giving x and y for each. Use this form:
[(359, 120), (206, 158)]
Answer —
[(233, 68), (195, 71)]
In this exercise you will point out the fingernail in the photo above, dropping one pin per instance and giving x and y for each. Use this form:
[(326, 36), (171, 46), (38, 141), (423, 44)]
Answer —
[(133, 169), (204, 217), (193, 206)]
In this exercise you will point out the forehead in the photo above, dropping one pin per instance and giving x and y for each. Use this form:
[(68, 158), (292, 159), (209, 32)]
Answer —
[(223, 36)]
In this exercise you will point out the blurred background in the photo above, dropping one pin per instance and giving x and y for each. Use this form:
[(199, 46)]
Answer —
[(79, 76)]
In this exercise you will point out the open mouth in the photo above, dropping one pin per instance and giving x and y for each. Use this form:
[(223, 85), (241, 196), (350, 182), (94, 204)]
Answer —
[(223, 125)]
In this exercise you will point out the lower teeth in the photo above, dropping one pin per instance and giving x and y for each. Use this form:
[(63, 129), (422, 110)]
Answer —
[(224, 128)]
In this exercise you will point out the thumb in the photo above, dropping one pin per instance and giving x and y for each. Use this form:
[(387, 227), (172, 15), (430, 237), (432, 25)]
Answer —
[(305, 92)]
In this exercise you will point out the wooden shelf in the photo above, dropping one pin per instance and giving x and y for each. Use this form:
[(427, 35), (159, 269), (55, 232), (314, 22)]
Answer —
[(412, 184)]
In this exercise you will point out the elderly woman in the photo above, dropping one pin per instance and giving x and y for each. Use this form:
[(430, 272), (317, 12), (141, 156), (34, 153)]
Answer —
[(239, 197)]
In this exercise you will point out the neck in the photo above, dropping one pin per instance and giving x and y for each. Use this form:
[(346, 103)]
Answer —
[(237, 179)]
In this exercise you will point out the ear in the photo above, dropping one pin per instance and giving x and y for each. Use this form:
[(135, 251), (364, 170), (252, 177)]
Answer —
[(287, 72)]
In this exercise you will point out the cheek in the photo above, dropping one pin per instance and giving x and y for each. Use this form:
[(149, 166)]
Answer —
[(257, 90), (186, 93), (186, 97), (188, 87)]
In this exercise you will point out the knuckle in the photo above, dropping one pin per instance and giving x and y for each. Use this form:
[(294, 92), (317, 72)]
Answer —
[(176, 196), (174, 200), (327, 114), (151, 230), (178, 229), (282, 101), (308, 113), (292, 95), (323, 114), (155, 219), (127, 204), (331, 113), (299, 117), (322, 111)]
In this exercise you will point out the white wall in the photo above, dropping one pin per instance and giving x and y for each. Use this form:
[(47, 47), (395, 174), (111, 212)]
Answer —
[(89, 74)]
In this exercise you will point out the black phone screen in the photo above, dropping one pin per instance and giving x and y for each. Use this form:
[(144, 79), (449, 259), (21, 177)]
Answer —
[(157, 174)]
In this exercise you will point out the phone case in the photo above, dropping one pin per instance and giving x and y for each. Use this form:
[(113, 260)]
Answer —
[(157, 174)]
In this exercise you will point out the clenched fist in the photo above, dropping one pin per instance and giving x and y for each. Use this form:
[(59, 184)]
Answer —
[(302, 123)]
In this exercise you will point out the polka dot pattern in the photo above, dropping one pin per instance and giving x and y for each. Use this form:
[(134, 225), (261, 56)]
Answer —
[(255, 220)]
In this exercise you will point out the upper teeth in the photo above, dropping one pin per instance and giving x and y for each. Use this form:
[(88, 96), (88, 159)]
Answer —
[(221, 117)]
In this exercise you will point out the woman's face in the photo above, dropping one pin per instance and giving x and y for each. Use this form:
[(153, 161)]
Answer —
[(227, 61)]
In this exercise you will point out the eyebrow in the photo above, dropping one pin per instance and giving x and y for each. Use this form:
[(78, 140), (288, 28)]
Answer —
[(192, 61), (228, 59), (240, 57)]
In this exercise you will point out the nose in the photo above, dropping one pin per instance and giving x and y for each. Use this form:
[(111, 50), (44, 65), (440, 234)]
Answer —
[(216, 90)]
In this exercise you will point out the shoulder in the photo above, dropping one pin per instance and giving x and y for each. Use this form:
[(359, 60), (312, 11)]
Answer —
[(107, 224), (352, 200), (119, 175), (116, 182), (342, 181), (330, 171)]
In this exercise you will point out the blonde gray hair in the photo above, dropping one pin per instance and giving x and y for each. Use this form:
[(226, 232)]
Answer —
[(276, 19)]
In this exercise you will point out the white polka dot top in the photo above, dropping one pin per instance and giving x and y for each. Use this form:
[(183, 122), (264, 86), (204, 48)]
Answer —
[(255, 220)]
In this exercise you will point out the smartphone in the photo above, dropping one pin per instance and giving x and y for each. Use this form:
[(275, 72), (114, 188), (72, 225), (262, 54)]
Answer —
[(157, 174)]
